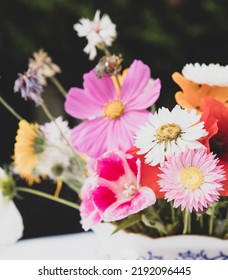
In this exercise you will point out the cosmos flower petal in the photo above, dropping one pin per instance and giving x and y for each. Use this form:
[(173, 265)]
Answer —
[(95, 132), (147, 98), (135, 81), (78, 104), (101, 90)]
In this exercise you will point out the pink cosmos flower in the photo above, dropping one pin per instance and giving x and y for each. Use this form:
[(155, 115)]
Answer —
[(192, 179), (114, 192), (112, 117)]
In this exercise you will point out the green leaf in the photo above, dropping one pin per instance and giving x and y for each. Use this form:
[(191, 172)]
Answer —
[(129, 221), (154, 224)]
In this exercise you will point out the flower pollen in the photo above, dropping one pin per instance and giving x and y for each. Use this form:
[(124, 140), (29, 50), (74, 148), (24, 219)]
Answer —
[(113, 109), (191, 178), (168, 132)]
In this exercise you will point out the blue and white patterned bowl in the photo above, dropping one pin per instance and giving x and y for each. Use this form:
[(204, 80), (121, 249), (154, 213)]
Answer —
[(124, 245)]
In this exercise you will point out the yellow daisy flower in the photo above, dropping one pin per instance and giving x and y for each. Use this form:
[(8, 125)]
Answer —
[(28, 145)]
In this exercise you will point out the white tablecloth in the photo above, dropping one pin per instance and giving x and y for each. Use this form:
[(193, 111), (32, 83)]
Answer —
[(81, 246)]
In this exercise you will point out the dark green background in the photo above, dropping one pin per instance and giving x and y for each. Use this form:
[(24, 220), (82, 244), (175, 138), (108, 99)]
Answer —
[(165, 34)]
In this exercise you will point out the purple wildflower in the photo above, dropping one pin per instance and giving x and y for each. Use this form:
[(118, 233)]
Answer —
[(29, 85)]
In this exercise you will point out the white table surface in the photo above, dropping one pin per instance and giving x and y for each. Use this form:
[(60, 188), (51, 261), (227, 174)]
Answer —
[(81, 246)]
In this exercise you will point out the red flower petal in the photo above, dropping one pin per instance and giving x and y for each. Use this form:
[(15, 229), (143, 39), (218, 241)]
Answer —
[(149, 174), (210, 124)]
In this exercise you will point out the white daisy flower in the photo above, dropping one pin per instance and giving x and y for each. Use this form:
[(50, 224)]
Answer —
[(53, 161), (169, 133), (212, 74), (56, 131), (57, 155), (97, 31)]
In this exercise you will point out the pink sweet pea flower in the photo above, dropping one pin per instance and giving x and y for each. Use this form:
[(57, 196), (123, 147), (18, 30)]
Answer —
[(112, 117), (89, 214), (114, 192)]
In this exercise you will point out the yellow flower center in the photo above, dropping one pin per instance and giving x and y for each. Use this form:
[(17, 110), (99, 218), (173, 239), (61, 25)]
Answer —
[(191, 178), (113, 109), (168, 132)]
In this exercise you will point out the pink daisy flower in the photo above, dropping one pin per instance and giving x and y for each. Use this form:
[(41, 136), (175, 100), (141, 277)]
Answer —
[(192, 179), (112, 117), (114, 192)]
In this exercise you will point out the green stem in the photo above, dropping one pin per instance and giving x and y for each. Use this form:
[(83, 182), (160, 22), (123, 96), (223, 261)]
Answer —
[(201, 221), (49, 196), (10, 109), (211, 222), (104, 48), (58, 86), (47, 112), (172, 212), (186, 221)]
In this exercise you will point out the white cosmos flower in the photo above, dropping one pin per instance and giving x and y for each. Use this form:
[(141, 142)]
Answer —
[(97, 31), (212, 74), (168, 133)]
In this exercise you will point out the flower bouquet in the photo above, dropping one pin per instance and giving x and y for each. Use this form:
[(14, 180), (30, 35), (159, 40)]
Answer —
[(137, 169)]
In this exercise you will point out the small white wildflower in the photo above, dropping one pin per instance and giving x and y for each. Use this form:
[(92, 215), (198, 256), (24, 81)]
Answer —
[(97, 31)]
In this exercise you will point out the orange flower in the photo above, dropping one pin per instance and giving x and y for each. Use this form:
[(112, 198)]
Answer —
[(193, 94)]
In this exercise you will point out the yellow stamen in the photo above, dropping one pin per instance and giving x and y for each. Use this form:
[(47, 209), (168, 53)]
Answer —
[(168, 132), (191, 178), (113, 109)]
